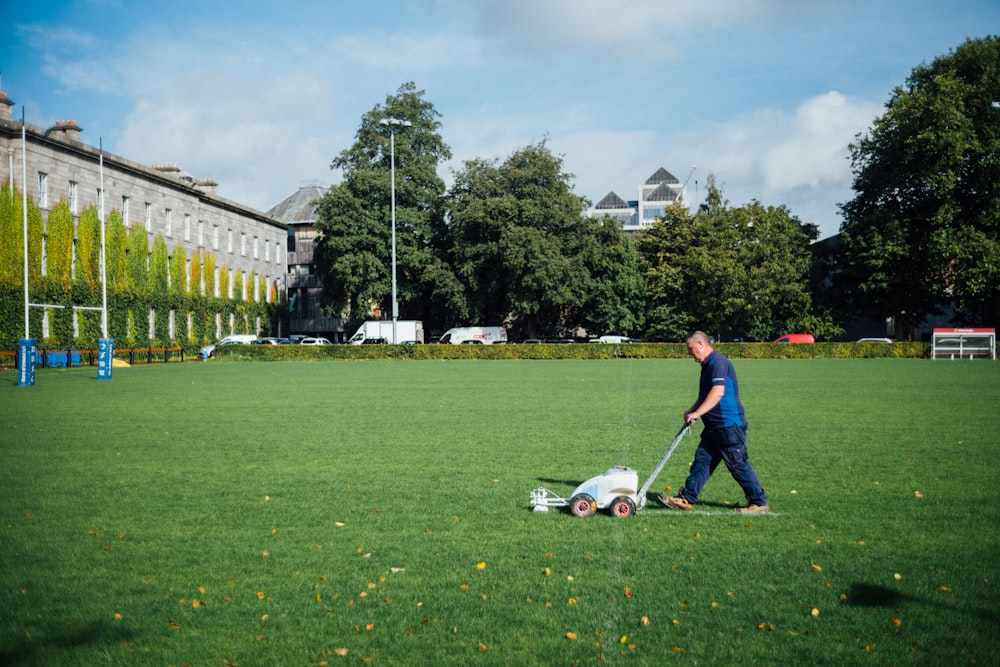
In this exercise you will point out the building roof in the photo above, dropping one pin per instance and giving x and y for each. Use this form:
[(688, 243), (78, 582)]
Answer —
[(298, 208), (611, 201), (663, 192), (661, 176)]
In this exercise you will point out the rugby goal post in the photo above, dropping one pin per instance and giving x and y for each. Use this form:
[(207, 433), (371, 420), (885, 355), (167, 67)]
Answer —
[(964, 343)]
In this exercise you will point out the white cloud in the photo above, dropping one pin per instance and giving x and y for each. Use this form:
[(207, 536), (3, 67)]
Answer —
[(794, 158)]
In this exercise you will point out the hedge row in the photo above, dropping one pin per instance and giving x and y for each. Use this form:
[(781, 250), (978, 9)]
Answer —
[(574, 351)]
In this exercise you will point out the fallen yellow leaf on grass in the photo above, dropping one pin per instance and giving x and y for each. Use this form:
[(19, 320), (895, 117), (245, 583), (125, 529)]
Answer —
[(571, 636), (260, 595), (644, 621), (814, 611), (896, 622), (342, 651), (480, 565), (817, 567)]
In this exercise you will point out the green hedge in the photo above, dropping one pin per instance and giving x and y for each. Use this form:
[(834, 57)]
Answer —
[(575, 351)]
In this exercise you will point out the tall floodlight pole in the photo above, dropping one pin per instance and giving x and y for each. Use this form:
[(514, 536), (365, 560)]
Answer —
[(392, 122)]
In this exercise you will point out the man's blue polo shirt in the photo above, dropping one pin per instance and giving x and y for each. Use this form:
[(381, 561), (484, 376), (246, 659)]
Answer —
[(716, 371)]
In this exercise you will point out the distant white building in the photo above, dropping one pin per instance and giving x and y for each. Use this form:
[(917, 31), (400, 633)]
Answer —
[(660, 190)]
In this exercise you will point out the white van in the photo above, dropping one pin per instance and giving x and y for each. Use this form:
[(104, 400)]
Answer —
[(233, 339), (474, 335)]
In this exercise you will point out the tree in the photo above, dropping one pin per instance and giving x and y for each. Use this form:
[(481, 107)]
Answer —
[(137, 258), (116, 248), (732, 272), (354, 254), (89, 247), (178, 271), (518, 243), (923, 229), (615, 302), (59, 244)]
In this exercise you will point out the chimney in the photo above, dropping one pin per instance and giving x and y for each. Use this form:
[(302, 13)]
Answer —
[(6, 108), (208, 185), (65, 130)]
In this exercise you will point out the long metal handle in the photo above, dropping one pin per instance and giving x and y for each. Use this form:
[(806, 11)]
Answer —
[(663, 461)]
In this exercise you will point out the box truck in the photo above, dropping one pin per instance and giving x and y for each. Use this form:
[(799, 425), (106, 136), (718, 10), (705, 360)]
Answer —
[(475, 335), (407, 331)]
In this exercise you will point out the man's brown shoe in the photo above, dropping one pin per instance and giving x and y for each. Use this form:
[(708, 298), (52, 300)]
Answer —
[(675, 502), (752, 509)]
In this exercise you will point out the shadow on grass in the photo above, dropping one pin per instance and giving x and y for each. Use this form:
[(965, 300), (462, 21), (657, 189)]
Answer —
[(25, 651), (875, 596)]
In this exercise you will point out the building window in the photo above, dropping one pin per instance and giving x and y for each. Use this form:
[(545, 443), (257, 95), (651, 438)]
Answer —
[(229, 241), (74, 202), (267, 251), (148, 216), (168, 222), (201, 233), (215, 238), (187, 227), (256, 248), (125, 211), (243, 244), (43, 190)]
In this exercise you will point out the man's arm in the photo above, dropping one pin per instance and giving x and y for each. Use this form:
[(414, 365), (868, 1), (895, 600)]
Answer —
[(715, 395)]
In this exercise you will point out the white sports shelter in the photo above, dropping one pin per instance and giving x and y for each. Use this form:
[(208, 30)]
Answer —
[(964, 343)]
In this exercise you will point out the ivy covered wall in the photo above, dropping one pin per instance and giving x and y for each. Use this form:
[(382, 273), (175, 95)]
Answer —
[(154, 299)]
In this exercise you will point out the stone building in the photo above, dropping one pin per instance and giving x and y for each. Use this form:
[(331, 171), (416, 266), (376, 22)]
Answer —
[(185, 211), (298, 211)]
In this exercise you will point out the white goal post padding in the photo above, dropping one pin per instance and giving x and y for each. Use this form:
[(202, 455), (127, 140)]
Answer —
[(964, 343)]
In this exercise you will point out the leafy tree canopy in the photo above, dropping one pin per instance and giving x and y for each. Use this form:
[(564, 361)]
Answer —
[(923, 229), (733, 272), (354, 254)]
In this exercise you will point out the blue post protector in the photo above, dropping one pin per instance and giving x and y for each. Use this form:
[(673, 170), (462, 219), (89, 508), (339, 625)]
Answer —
[(105, 357), (26, 362)]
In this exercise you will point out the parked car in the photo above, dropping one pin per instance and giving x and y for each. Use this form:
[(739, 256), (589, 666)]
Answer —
[(273, 341), (233, 339), (874, 340), (319, 340), (375, 341), (795, 338)]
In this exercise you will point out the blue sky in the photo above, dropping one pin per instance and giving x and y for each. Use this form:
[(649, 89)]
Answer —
[(764, 94)]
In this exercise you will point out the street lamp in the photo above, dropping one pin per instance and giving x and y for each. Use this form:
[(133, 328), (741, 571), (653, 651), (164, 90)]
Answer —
[(392, 122)]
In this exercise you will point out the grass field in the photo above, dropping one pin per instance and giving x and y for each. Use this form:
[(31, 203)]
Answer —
[(377, 513)]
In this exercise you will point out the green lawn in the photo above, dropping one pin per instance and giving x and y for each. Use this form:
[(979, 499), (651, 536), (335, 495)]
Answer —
[(281, 513)]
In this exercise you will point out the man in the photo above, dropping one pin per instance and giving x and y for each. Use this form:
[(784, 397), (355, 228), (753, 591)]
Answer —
[(724, 435)]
